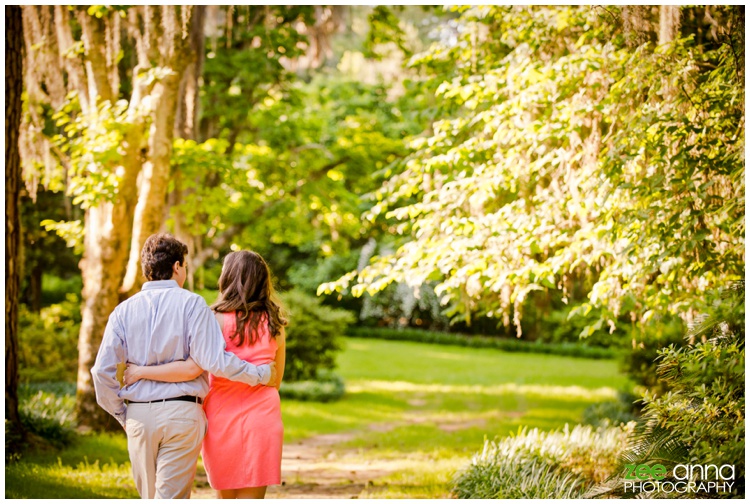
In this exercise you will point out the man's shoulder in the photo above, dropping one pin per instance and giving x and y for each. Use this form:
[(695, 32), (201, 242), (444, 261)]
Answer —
[(179, 295)]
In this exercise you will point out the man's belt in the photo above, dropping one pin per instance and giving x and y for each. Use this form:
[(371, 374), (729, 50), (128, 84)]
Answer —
[(188, 398)]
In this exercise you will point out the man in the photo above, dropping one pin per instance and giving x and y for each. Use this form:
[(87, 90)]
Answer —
[(164, 422)]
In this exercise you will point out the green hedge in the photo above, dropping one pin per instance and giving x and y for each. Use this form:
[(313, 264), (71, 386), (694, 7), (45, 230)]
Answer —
[(326, 388), (507, 345), (312, 336)]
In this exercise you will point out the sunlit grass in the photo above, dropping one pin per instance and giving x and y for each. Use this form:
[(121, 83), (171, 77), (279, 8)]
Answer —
[(96, 466), (433, 406), (418, 409), (424, 479), (389, 382), (366, 359)]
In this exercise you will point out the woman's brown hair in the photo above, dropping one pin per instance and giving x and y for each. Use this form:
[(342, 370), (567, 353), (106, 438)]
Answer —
[(245, 288)]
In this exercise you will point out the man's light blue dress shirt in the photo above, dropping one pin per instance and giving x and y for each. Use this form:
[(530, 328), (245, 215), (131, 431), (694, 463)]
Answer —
[(160, 324)]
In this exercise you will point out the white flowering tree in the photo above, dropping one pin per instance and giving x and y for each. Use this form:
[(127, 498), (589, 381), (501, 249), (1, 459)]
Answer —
[(579, 146)]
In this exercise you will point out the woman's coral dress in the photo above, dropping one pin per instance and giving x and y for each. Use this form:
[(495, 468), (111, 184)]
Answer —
[(242, 447)]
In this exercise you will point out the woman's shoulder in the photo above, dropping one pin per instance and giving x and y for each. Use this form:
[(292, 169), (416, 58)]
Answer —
[(223, 318)]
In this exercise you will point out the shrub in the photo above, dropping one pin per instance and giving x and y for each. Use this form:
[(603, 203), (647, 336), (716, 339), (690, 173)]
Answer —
[(507, 345), (326, 388), (56, 289), (620, 411), (542, 465), (560, 327), (313, 335), (639, 362), (48, 342), (701, 420), (46, 411)]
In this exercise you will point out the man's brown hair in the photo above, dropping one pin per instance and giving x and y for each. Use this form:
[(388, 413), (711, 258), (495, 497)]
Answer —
[(159, 254)]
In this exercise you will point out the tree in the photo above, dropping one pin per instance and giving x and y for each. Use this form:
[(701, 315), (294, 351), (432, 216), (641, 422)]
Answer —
[(13, 90), (113, 139), (566, 156), (329, 135)]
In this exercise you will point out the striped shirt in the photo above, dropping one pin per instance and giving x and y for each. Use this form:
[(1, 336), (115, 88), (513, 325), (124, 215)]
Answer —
[(160, 324)]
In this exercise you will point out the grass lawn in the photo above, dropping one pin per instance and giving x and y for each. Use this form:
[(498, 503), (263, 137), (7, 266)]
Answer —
[(425, 408), (434, 405)]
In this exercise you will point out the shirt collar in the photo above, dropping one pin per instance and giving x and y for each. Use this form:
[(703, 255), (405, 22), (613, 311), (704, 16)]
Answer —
[(160, 284)]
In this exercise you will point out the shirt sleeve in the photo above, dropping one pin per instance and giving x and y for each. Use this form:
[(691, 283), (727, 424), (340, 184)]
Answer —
[(208, 350), (104, 372)]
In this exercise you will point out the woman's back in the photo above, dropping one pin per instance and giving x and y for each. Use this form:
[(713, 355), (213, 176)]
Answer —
[(261, 351), (243, 445)]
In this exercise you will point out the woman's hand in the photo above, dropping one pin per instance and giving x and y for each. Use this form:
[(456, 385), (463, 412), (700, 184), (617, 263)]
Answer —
[(132, 374)]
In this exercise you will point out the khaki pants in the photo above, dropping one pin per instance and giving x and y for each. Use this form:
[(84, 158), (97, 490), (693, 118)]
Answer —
[(164, 440)]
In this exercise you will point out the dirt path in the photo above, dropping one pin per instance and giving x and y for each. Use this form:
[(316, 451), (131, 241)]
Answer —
[(311, 469), (314, 468)]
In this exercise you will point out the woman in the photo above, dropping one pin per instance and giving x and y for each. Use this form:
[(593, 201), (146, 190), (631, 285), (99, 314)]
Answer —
[(242, 448)]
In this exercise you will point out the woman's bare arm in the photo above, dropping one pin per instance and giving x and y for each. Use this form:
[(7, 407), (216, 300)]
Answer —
[(177, 371), (280, 359)]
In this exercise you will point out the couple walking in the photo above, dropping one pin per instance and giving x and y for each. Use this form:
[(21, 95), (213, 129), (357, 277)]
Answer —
[(169, 407)]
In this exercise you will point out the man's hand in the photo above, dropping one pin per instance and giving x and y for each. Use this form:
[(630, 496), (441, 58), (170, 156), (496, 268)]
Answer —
[(272, 380)]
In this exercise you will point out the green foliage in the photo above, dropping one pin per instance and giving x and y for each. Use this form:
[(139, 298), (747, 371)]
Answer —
[(570, 324), (640, 361), (542, 465), (399, 306), (330, 136), (45, 255), (701, 419), (96, 466), (622, 152), (313, 335), (620, 411), (384, 29), (93, 143), (61, 290), (506, 345), (48, 341), (244, 67), (46, 412), (327, 387)]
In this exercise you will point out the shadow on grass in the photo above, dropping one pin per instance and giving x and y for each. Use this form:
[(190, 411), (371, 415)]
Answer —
[(95, 466), (31, 481)]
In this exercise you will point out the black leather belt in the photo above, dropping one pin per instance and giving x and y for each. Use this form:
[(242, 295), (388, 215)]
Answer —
[(188, 398)]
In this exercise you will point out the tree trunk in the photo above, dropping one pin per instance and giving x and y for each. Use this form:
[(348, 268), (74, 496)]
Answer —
[(107, 228), (186, 124), (35, 288), (156, 171), (636, 24), (154, 179), (13, 90), (107, 234), (669, 23)]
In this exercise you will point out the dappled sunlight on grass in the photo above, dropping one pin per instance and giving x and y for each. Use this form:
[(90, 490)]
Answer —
[(544, 391), (449, 356), (428, 478), (106, 448), (453, 412), (423, 410), (402, 361), (96, 467), (355, 411), (412, 415)]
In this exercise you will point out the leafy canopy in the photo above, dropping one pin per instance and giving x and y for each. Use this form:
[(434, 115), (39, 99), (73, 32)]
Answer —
[(564, 154)]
